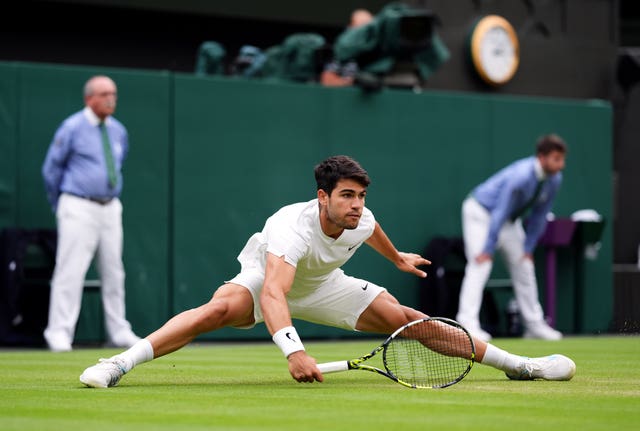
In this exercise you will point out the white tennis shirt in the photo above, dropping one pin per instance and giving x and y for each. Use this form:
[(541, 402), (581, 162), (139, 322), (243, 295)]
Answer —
[(294, 232)]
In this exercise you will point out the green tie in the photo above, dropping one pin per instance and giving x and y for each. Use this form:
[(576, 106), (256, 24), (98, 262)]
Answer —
[(108, 156), (529, 203)]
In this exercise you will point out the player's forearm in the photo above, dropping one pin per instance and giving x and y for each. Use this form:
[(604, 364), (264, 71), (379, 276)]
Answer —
[(278, 280), (275, 310), (278, 320), (381, 243)]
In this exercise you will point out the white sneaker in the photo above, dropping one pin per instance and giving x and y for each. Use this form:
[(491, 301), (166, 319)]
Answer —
[(542, 331), (106, 373), (554, 367)]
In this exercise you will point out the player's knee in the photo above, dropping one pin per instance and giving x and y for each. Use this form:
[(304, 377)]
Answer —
[(212, 315), (384, 320)]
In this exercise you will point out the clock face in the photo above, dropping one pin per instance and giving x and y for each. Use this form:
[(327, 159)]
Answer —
[(495, 50)]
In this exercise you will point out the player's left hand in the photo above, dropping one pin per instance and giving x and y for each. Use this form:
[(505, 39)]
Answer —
[(410, 262)]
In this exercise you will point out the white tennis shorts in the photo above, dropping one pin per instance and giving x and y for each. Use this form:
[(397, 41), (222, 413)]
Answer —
[(339, 301)]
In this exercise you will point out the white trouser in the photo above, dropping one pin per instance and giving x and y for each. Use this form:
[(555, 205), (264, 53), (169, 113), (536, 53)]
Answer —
[(86, 228), (475, 229)]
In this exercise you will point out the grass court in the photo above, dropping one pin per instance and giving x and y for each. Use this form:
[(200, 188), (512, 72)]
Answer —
[(246, 386)]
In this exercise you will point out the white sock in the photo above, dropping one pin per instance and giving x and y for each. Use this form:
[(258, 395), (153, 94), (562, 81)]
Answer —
[(500, 359), (139, 353)]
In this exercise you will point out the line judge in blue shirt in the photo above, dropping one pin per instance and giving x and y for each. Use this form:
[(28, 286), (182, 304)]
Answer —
[(83, 181), (492, 219)]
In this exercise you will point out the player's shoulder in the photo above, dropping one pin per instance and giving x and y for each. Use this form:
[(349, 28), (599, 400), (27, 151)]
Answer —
[(294, 210), (293, 215), (292, 223)]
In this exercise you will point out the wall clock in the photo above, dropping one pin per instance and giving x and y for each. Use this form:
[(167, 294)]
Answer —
[(494, 49)]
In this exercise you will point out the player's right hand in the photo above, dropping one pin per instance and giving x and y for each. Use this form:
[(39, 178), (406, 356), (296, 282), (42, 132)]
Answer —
[(303, 368)]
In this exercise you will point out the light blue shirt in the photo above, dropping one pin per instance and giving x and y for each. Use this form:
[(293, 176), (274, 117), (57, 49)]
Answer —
[(510, 189), (75, 161)]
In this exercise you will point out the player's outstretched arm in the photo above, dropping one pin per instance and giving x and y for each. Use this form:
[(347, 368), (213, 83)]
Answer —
[(278, 280), (407, 262)]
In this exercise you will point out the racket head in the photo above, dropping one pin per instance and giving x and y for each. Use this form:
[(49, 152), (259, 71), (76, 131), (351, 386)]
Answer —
[(433, 352)]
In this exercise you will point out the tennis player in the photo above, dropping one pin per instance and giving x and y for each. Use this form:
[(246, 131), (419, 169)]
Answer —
[(291, 269)]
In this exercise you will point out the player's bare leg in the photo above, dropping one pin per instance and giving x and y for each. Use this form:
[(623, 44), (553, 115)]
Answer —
[(231, 305), (385, 314)]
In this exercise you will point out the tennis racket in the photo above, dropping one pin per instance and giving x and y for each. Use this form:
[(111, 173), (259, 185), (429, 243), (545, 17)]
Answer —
[(433, 352)]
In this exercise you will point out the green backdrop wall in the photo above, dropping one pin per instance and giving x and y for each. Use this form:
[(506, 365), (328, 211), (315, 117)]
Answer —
[(212, 157)]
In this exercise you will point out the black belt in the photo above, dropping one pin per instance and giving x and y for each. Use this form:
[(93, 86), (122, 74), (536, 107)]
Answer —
[(101, 201)]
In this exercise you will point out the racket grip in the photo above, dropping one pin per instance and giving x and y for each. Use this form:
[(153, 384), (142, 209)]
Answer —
[(333, 367)]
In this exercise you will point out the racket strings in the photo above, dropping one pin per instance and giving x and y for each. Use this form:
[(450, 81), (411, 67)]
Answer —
[(430, 354)]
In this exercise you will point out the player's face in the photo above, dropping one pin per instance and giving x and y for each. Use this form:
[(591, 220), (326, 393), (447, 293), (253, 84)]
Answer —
[(553, 162), (343, 208)]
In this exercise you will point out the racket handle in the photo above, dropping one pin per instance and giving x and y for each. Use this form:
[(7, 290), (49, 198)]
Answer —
[(333, 367)]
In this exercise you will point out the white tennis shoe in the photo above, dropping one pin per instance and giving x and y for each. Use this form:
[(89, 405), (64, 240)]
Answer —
[(553, 367), (106, 373)]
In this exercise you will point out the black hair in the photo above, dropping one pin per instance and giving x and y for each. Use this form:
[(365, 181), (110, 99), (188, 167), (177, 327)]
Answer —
[(336, 168)]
